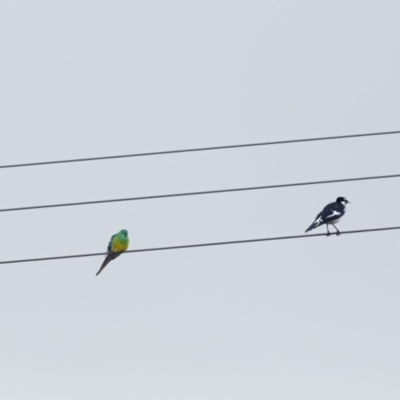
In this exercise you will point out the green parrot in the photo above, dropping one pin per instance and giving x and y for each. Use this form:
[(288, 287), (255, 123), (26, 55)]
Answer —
[(117, 245)]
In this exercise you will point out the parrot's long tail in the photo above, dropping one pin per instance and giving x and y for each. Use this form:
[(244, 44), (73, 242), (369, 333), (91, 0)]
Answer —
[(109, 257)]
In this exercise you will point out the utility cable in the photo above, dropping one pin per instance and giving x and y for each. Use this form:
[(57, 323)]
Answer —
[(219, 191), (210, 244), (192, 150)]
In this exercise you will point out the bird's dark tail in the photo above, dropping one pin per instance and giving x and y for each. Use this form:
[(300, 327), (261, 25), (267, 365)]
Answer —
[(109, 257), (311, 227), (318, 221)]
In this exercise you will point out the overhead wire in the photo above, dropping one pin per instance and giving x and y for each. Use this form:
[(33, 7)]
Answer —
[(199, 193), (198, 149), (199, 245), (234, 242)]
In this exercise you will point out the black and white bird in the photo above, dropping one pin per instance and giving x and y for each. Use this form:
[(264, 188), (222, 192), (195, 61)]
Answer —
[(330, 215)]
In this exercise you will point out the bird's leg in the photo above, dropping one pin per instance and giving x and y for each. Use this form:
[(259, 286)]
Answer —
[(328, 233), (337, 230)]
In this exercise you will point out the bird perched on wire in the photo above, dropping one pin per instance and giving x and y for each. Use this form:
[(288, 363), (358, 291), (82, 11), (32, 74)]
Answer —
[(117, 245), (330, 215)]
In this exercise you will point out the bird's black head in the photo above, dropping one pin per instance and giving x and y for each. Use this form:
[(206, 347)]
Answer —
[(342, 200)]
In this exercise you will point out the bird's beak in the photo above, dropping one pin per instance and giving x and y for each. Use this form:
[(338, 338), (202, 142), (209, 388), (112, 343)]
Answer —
[(348, 201)]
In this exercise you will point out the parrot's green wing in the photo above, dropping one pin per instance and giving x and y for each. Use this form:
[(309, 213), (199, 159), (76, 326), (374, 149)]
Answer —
[(109, 247)]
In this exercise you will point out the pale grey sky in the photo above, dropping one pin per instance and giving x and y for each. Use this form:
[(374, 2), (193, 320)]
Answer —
[(305, 319)]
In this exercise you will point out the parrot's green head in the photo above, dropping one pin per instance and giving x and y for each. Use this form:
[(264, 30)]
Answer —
[(124, 232)]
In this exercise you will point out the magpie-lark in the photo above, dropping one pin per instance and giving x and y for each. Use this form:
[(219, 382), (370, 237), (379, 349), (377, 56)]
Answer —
[(330, 215)]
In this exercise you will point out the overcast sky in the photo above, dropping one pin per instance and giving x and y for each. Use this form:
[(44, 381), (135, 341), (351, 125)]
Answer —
[(301, 319)]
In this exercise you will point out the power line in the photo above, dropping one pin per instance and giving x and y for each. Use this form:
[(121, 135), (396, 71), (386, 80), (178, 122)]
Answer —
[(210, 244), (219, 191), (198, 149)]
